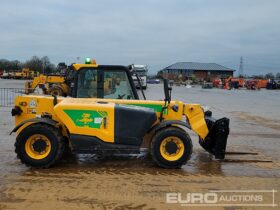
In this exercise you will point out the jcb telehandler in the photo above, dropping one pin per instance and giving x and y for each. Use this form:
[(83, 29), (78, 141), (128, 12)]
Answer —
[(112, 121)]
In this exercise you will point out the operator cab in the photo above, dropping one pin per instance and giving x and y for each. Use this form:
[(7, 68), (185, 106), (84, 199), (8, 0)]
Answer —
[(102, 81)]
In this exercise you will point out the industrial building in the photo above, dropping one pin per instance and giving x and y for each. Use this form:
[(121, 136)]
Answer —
[(201, 71)]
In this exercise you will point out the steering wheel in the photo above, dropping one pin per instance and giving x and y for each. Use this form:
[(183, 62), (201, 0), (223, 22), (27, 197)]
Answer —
[(121, 96)]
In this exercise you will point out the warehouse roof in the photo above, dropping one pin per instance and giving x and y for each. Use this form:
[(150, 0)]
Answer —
[(197, 66)]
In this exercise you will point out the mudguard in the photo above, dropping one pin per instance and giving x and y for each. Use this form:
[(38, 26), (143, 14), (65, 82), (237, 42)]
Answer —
[(170, 122), (35, 120)]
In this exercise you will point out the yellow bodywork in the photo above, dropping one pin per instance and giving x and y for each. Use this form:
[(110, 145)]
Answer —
[(195, 115), (25, 73), (78, 66), (85, 118), (95, 117)]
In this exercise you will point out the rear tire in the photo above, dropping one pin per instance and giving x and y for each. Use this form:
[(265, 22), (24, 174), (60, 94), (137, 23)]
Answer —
[(171, 147), (57, 91), (39, 146)]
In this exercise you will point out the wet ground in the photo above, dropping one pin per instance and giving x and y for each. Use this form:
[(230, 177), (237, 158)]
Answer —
[(82, 182)]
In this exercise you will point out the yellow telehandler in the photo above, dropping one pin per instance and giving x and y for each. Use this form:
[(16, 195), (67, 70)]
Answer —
[(50, 84), (113, 120), (25, 73)]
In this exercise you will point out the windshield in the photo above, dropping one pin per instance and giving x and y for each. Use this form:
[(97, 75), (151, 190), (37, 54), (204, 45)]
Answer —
[(116, 85), (141, 72)]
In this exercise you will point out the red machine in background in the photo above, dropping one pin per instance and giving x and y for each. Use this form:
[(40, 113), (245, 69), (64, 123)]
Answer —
[(233, 82), (239, 82), (256, 84), (217, 83)]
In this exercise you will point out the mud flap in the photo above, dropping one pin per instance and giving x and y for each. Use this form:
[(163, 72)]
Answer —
[(216, 140)]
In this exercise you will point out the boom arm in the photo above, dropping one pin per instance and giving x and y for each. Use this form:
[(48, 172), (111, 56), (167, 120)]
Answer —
[(195, 116), (42, 80)]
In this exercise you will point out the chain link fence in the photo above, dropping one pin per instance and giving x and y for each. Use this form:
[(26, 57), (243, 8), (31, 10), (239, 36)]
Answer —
[(7, 96)]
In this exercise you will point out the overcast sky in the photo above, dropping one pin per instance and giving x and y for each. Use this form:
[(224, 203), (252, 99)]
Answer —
[(154, 32)]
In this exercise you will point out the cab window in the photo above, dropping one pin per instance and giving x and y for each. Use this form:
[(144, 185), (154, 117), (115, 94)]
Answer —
[(116, 85), (87, 84)]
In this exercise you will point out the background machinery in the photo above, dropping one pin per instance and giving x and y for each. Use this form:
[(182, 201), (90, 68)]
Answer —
[(273, 84), (25, 73), (50, 84), (6, 75), (141, 71), (104, 124), (256, 84), (233, 82)]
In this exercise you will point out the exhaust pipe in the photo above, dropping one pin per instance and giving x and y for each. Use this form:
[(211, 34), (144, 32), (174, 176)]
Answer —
[(216, 141)]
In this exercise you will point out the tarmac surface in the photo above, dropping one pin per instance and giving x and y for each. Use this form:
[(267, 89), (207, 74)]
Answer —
[(83, 182)]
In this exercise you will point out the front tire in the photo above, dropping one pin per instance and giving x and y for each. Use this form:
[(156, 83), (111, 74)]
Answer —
[(39, 146), (171, 148)]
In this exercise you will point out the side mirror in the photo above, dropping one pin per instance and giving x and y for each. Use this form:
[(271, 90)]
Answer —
[(167, 91)]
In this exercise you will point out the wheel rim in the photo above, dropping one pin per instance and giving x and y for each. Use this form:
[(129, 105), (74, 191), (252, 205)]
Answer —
[(172, 148), (56, 92), (38, 146)]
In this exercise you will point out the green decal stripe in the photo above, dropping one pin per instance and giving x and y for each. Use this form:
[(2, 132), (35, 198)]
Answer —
[(85, 118), (155, 107), (102, 113)]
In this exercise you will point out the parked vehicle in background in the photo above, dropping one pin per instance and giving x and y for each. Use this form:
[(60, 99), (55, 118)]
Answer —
[(207, 85), (25, 73), (273, 84), (140, 71), (153, 81), (6, 75)]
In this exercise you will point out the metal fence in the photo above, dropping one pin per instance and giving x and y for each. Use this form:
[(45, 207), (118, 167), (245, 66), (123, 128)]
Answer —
[(7, 96)]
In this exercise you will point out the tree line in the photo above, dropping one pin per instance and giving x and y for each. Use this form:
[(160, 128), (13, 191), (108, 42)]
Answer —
[(42, 65), (267, 76)]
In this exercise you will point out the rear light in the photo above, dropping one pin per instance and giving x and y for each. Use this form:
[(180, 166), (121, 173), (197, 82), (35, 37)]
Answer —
[(23, 103)]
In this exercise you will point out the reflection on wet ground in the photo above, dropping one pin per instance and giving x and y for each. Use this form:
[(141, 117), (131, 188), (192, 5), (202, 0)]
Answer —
[(82, 181), (201, 163)]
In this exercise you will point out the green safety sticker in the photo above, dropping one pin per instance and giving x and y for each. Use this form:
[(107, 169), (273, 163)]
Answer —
[(86, 118)]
